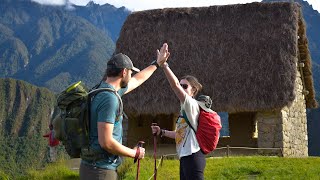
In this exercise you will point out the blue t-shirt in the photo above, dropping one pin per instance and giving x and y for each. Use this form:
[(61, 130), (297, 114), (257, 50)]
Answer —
[(104, 108)]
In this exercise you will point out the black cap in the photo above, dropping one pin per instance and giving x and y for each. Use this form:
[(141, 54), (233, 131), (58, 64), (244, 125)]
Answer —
[(121, 61)]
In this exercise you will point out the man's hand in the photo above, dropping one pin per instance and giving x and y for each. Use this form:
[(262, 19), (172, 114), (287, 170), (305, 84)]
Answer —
[(141, 152), (163, 54)]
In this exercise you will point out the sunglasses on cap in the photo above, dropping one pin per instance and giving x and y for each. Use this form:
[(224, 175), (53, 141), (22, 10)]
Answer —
[(184, 86)]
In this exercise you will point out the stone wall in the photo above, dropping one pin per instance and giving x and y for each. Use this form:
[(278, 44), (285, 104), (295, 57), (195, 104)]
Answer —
[(286, 128), (270, 133), (295, 135)]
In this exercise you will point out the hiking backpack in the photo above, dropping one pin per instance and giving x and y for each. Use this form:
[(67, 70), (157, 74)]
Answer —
[(208, 131), (73, 123)]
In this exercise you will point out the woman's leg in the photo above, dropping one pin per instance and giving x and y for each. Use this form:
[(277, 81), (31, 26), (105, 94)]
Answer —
[(192, 167), (182, 176)]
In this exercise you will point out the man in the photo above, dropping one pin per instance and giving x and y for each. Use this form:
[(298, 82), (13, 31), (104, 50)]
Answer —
[(105, 126)]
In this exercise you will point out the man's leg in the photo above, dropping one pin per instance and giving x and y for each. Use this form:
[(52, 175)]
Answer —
[(91, 173)]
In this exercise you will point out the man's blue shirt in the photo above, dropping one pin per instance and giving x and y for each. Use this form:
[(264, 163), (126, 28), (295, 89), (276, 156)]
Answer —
[(104, 108)]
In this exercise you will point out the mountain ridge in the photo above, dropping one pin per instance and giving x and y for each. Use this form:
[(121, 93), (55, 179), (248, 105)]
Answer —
[(49, 46)]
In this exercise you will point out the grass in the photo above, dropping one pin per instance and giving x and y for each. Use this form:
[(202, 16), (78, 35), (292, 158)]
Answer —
[(253, 167), (3, 176), (54, 171)]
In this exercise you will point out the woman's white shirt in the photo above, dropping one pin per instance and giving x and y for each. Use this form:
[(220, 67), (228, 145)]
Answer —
[(186, 141)]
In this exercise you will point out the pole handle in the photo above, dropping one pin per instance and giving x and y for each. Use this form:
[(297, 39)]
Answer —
[(140, 144), (154, 124)]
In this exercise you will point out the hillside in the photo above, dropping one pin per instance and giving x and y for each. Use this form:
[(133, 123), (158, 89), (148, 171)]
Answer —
[(49, 46), (105, 17), (25, 112)]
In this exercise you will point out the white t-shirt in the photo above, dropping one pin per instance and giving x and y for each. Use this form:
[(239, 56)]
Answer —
[(186, 141)]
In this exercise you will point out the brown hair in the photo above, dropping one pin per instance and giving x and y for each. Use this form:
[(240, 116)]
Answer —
[(196, 86), (111, 72)]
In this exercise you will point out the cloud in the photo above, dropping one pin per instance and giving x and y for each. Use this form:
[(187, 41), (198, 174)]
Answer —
[(51, 2)]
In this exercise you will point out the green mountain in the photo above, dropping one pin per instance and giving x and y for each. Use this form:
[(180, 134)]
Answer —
[(105, 17), (50, 46), (25, 113), (47, 46)]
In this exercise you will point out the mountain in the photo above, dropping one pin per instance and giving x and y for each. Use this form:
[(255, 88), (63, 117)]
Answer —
[(52, 46), (25, 113), (105, 17), (313, 132)]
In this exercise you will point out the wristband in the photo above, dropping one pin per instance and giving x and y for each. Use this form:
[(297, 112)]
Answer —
[(155, 63), (160, 134), (163, 131)]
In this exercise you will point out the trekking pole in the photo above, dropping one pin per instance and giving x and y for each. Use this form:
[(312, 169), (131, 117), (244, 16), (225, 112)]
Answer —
[(140, 143), (155, 152)]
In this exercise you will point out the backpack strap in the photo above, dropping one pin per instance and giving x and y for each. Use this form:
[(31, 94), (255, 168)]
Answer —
[(187, 120), (96, 86), (94, 92), (184, 115)]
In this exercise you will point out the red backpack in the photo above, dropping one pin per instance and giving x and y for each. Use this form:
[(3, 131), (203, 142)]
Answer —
[(208, 131)]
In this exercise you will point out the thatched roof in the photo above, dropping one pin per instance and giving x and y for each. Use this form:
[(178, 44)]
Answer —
[(245, 55)]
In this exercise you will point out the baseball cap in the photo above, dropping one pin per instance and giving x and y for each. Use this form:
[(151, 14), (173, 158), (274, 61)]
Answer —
[(121, 61)]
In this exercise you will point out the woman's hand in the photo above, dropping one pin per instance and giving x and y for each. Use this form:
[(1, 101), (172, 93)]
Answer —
[(163, 54), (155, 130)]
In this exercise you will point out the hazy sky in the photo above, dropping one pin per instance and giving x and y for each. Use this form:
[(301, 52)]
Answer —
[(138, 5)]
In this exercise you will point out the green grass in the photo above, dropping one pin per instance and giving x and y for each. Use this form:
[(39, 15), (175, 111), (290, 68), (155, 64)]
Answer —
[(253, 167), (3, 176), (54, 171)]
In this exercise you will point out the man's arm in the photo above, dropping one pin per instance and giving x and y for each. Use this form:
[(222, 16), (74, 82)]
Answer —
[(140, 78), (108, 143), (143, 75)]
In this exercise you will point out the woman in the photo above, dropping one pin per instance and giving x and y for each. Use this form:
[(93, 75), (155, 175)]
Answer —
[(192, 160)]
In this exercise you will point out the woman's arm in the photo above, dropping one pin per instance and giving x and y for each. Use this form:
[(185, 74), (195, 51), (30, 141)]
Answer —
[(174, 82), (157, 130), (169, 134)]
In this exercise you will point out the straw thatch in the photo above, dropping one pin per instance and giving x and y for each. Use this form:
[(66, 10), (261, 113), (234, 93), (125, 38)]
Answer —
[(245, 55)]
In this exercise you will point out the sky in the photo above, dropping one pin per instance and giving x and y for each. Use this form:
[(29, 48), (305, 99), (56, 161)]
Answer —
[(140, 5)]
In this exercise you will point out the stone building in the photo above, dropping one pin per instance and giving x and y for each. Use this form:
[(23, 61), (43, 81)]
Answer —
[(252, 59)]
